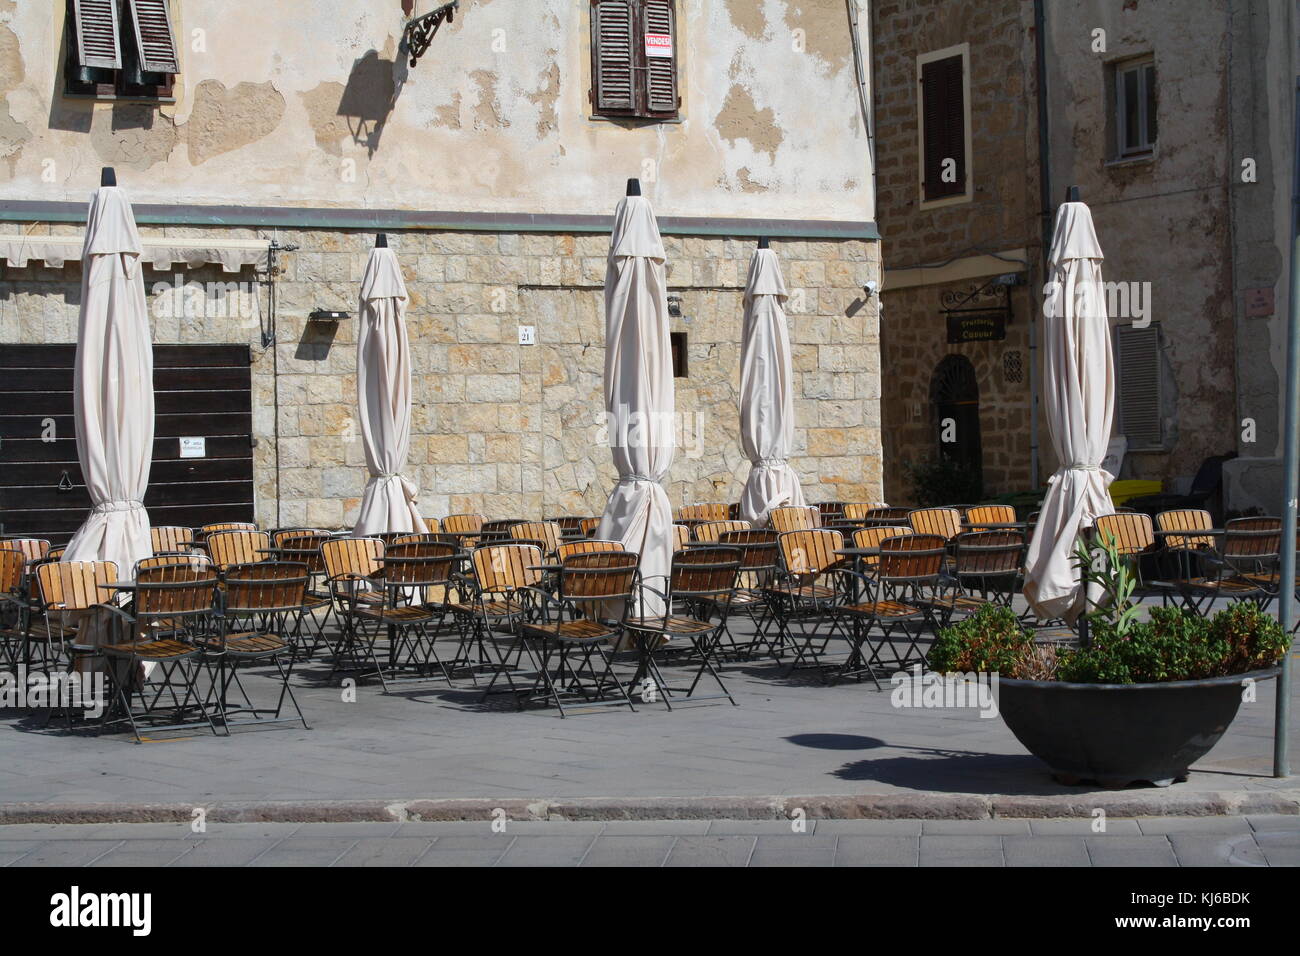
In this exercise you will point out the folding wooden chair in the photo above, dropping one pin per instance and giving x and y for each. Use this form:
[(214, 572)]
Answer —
[(13, 605), (497, 530), (681, 536), (354, 576), (1247, 564), (588, 526), (1133, 537), (860, 510), (986, 568), (64, 589), (574, 627), (504, 590), (417, 578), (170, 617), (703, 580), (758, 565), (804, 593), (829, 511), (702, 511), (805, 518), (170, 539), (586, 546), (708, 532), (899, 595), (432, 525), (260, 620)]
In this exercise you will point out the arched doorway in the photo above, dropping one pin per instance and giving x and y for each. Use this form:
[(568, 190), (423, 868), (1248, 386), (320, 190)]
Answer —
[(955, 409)]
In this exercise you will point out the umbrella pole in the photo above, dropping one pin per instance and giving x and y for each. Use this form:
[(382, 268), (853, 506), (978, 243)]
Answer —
[(1290, 482)]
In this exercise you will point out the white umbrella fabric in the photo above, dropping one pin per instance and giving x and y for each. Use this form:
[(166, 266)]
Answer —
[(112, 390), (639, 393), (384, 399), (766, 394), (1079, 405)]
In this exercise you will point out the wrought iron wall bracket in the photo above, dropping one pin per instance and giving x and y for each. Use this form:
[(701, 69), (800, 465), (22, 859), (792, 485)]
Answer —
[(420, 31)]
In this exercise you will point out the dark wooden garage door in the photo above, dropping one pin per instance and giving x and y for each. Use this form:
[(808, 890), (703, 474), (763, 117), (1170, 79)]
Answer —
[(199, 391)]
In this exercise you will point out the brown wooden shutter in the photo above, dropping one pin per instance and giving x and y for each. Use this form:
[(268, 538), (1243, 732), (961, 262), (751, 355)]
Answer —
[(659, 19), (612, 23), (943, 125), (95, 29), (1137, 367), (153, 36)]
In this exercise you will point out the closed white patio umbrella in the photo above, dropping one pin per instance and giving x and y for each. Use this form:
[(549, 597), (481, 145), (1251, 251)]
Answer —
[(112, 390), (766, 393), (639, 393), (384, 398), (1079, 404)]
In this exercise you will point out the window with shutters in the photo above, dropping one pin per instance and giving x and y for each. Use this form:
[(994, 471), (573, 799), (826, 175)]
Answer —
[(120, 49), (634, 54), (943, 80), (1137, 369), (1133, 121)]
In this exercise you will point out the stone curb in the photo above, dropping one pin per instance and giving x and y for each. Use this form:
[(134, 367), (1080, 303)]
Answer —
[(904, 806)]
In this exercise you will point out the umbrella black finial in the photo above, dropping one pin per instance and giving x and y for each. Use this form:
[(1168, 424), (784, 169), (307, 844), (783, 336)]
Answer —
[(1072, 194), (634, 187), (107, 177), (762, 242), (381, 240)]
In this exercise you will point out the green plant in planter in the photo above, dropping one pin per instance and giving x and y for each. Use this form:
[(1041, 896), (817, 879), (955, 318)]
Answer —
[(1177, 644), (1102, 564), (991, 639)]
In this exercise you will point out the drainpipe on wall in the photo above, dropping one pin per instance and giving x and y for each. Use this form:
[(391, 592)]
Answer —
[(864, 94), (1045, 215)]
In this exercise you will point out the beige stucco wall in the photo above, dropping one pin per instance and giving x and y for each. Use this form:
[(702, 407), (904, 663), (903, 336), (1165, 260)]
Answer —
[(308, 102)]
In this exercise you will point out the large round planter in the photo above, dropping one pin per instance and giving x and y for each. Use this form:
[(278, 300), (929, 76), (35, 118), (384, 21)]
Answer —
[(1117, 734)]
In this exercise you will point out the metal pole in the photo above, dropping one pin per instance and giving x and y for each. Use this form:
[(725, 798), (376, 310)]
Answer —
[(1290, 471), (1045, 214)]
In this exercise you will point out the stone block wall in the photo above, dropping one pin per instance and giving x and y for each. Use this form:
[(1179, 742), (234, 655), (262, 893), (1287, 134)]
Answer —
[(501, 428)]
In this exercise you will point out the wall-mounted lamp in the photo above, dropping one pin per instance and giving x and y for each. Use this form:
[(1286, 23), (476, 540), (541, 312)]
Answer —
[(327, 315), (871, 288)]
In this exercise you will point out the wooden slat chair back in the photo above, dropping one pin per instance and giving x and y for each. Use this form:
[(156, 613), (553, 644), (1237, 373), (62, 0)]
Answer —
[(463, 524), (182, 560), (352, 558), (498, 529), (505, 568), (587, 546), (830, 510), (871, 538), (12, 564), (237, 547), (597, 577), (305, 548), (705, 573), (209, 529), (994, 514), (419, 564), (988, 553), (168, 539), (74, 585), (1186, 519), (271, 587), (809, 553), (1132, 531), (588, 526), (708, 532), (432, 525), (171, 593), (548, 532), (33, 549), (784, 520), (859, 510), (885, 515), (280, 535), (56, 554), (702, 511), (1252, 544), (945, 522), (911, 558), (681, 536), (569, 524), (759, 554)]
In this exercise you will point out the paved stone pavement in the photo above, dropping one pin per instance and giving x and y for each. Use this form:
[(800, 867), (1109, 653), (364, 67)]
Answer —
[(1151, 841), (788, 736)]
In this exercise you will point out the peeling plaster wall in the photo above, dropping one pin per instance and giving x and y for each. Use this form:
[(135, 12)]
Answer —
[(310, 103)]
